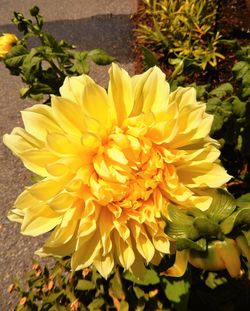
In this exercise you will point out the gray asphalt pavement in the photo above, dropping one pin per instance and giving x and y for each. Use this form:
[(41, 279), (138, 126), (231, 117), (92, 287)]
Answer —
[(88, 24)]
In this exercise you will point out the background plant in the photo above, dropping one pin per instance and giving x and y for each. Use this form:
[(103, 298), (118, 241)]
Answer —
[(61, 289), (42, 62), (184, 29), (229, 103)]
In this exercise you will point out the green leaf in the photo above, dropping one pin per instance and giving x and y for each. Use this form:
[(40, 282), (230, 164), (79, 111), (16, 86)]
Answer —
[(213, 104), (52, 297), (179, 67), (15, 56), (180, 223), (222, 90), (244, 200), (239, 107), (246, 78), (201, 90), (49, 40), (206, 227), (177, 290), (116, 286), (150, 278), (222, 206), (100, 57), (138, 292), (179, 215), (31, 66), (176, 230), (240, 217), (245, 92), (81, 65), (183, 243), (96, 304), (85, 285), (124, 306), (214, 279), (247, 235), (240, 69), (149, 59)]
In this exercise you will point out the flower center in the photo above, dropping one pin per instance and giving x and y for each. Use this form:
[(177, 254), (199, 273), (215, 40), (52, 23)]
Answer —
[(127, 169)]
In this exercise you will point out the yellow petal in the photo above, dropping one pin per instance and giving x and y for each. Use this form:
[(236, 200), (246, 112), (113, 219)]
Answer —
[(39, 220), (96, 104), (62, 202), (39, 121), (20, 141), (85, 254), (230, 254), (60, 144), (16, 215), (62, 235), (116, 155), (69, 115), (120, 92), (73, 88), (204, 174), (37, 160), (104, 264), (45, 190), (180, 265), (151, 92), (106, 226), (65, 249), (143, 243), (124, 251), (25, 200)]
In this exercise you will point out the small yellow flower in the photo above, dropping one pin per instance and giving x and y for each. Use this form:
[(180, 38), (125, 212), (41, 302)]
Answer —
[(6, 42), (111, 162)]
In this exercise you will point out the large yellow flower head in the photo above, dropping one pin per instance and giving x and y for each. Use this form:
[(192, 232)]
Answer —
[(6, 42), (111, 162)]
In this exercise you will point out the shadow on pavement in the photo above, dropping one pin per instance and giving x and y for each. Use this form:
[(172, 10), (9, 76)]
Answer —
[(112, 33)]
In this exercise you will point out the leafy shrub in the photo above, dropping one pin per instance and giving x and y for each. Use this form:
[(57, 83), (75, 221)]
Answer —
[(183, 28), (229, 103), (43, 67), (60, 289)]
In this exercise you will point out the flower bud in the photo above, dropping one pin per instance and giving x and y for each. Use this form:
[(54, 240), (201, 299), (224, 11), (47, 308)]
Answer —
[(34, 10)]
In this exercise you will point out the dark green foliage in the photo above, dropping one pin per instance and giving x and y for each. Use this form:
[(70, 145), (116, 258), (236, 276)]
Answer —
[(61, 289), (44, 67)]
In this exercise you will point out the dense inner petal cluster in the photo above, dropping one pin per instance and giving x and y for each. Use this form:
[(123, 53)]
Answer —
[(111, 162)]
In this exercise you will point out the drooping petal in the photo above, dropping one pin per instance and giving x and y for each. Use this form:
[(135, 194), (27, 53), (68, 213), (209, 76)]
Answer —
[(180, 265), (104, 264), (86, 252)]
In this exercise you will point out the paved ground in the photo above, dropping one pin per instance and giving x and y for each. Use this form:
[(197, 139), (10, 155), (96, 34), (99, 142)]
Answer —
[(88, 24)]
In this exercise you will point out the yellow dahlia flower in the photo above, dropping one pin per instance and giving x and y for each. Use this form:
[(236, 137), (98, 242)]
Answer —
[(111, 161), (6, 42)]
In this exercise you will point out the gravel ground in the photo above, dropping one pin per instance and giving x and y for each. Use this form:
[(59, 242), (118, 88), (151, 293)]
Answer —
[(88, 24)]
